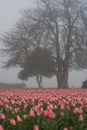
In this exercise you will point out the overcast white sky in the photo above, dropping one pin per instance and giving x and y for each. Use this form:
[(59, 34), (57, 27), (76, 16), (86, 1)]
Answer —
[(9, 14)]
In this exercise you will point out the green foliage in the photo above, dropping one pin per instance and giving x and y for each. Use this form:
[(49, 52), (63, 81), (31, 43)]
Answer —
[(39, 62)]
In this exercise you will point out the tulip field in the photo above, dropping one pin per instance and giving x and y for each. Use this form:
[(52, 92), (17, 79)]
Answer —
[(43, 109)]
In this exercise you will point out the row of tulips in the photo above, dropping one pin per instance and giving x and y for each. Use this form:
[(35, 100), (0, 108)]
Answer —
[(43, 109)]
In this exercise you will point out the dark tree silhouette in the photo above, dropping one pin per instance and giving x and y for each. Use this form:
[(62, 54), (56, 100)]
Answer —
[(39, 64)]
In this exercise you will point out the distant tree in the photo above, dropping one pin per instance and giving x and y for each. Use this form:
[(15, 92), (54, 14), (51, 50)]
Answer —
[(12, 85), (58, 25), (84, 84), (39, 64)]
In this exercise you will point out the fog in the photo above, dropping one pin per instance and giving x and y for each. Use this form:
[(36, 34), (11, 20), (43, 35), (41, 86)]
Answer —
[(9, 14)]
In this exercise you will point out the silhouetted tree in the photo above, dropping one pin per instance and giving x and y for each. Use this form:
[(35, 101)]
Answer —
[(84, 84), (39, 64)]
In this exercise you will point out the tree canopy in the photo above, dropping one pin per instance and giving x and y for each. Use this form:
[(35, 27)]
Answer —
[(39, 64)]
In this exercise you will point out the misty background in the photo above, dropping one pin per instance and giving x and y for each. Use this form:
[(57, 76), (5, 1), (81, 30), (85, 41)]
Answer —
[(9, 14)]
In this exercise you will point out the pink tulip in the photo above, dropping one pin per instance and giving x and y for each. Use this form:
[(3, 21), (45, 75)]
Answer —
[(1, 127), (36, 127), (65, 129), (80, 119), (38, 113), (62, 114), (67, 107), (12, 122), (45, 113), (2, 117), (16, 110), (51, 115), (32, 113), (6, 106), (62, 107), (80, 111), (73, 104), (55, 107), (19, 120), (76, 110), (13, 102), (6, 101), (1, 103)]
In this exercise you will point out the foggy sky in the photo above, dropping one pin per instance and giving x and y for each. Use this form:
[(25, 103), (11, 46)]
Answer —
[(9, 14)]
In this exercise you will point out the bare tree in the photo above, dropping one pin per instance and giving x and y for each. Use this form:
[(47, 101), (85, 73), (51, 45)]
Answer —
[(54, 24)]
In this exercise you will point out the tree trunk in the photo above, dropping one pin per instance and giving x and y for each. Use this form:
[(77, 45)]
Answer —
[(65, 79), (39, 80), (62, 80), (59, 81)]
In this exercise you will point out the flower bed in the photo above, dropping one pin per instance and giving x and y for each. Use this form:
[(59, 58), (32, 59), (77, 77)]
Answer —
[(43, 109)]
